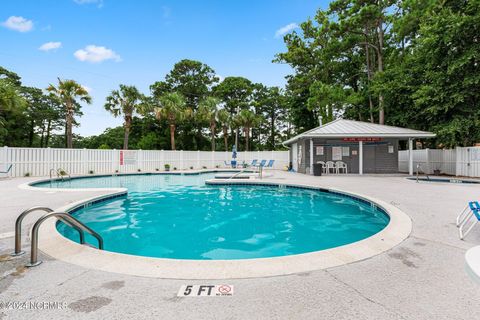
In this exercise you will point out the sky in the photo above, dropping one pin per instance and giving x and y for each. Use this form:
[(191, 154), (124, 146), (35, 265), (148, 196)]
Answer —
[(104, 43)]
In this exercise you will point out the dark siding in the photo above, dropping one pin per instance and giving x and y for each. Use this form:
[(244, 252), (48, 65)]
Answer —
[(376, 158)]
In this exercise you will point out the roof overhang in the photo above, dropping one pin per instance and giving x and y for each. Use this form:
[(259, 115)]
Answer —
[(355, 135)]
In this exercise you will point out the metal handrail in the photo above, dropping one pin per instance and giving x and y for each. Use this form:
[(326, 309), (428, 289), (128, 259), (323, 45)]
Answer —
[(50, 173), (60, 175), (34, 246), (18, 228), (238, 173), (419, 167)]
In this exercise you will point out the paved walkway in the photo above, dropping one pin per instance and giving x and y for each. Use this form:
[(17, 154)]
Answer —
[(423, 278)]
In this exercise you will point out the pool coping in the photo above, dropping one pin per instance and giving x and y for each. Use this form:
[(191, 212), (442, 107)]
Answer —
[(52, 243)]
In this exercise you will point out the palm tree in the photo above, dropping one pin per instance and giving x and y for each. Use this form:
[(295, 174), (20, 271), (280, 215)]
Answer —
[(124, 101), (172, 108), (247, 119), (68, 91), (208, 111), (225, 120)]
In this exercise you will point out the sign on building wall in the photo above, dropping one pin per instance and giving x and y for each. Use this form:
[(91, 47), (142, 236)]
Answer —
[(368, 139), (346, 151), (336, 153), (390, 149), (128, 157), (319, 151)]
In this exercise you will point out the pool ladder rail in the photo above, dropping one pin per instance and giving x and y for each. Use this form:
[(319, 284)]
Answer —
[(419, 167), (60, 173), (61, 216), (248, 169)]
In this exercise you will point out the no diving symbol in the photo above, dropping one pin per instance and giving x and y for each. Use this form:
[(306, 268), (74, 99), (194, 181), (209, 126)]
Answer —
[(224, 289)]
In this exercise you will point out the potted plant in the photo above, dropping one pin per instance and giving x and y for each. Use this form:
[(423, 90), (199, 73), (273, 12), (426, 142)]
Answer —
[(204, 167), (174, 168), (156, 169), (167, 167), (139, 170), (191, 168), (436, 170), (90, 171)]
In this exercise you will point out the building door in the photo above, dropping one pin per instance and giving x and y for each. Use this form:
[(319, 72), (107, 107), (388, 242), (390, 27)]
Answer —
[(353, 163), (295, 157), (368, 158)]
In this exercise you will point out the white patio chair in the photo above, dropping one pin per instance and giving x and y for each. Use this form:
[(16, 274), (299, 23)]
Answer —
[(330, 165), (341, 166)]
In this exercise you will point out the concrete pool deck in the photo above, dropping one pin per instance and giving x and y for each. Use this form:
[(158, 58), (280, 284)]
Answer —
[(423, 277)]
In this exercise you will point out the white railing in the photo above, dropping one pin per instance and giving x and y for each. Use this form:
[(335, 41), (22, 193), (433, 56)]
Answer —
[(459, 161), (39, 161)]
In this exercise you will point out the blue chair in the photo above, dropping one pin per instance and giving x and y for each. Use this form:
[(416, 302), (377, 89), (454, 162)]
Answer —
[(262, 163), (227, 164), (254, 163), (270, 164), (463, 219)]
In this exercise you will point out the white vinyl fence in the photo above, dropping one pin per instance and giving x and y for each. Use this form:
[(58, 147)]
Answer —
[(458, 162), (39, 161)]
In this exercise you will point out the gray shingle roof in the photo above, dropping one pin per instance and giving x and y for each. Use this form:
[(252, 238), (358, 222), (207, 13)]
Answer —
[(342, 128)]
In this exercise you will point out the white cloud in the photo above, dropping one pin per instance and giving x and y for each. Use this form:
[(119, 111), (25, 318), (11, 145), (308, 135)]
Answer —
[(50, 46), (286, 29), (18, 24), (95, 54)]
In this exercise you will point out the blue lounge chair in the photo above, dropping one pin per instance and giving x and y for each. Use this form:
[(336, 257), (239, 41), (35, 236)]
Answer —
[(270, 164), (262, 163), (463, 219), (227, 164), (254, 163), (8, 170)]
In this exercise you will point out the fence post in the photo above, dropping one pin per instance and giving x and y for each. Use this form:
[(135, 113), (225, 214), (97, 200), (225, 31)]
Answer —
[(162, 160), (50, 159), (140, 159), (5, 159), (84, 162), (114, 158), (181, 160), (198, 159), (213, 159), (427, 157)]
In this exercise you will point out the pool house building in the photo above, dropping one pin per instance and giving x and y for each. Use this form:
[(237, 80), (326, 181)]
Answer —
[(352, 147)]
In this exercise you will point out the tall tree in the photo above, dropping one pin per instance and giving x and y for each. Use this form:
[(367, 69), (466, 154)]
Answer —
[(124, 101), (68, 91), (172, 108), (247, 119), (225, 120), (194, 81), (236, 94), (209, 112)]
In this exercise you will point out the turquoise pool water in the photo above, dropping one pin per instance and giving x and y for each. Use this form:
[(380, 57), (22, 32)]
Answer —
[(178, 216)]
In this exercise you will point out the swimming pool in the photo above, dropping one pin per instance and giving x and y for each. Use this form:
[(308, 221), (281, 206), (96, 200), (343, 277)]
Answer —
[(180, 217)]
